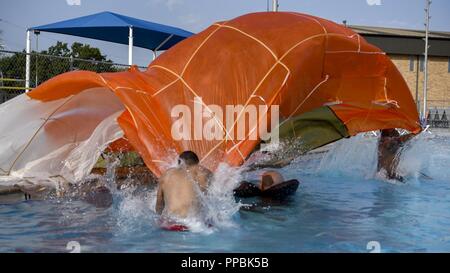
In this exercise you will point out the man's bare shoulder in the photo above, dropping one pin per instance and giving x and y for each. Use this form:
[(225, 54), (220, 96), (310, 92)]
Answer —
[(168, 173), (204, 170), (172, 170), (171, 173)]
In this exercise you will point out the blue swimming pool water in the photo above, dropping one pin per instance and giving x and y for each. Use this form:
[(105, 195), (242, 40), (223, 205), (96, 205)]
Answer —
[(340, 206)]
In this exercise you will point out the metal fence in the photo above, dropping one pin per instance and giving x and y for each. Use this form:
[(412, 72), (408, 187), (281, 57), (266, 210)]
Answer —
[(42, 68)]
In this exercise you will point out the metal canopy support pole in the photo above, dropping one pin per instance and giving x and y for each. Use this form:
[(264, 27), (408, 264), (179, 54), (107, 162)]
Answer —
[(130, 46), (425, 81), (36, 82), (28, 61), (161, 45), (274, 5), (417, 83)]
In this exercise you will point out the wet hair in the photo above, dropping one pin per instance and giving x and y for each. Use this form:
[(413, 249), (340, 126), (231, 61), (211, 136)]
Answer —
[(389, 133), (189, 158)]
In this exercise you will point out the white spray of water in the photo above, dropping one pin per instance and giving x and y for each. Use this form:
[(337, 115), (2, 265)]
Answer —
[(136, 210), (219, 202), (424, 157), (356, 156)]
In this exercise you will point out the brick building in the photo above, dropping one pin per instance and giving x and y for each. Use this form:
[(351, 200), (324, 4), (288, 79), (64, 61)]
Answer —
[(406, 49)]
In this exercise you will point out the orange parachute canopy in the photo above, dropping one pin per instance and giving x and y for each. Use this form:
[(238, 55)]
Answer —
[(300, 62)]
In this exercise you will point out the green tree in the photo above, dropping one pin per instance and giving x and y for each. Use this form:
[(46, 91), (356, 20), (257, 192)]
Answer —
[(56, 60), (60, 49), (1, 40), (87, 52)]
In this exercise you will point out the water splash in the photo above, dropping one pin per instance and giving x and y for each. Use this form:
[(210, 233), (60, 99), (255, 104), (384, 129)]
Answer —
[(135, 212), (134, 207), (356, 156), (219, 202), (217, 205), (425, 157)]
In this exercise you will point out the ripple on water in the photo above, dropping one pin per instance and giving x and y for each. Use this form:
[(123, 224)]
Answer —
[(340, 206)]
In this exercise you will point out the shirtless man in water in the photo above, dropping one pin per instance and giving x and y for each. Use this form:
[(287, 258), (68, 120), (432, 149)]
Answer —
[(389, 147), (177, 195)]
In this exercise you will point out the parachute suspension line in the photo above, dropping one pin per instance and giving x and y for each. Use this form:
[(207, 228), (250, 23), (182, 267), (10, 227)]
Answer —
[(385, 89), (146, 120), (198, 48), (361, 52), (192, 56), (214, 148), (259, 97), (105, 82), (196, 95), (160, 45), (164, 88), (324, 54), (185, 67), (270, 103), (252, 37), (256, 89), (312, 19), (326, 34), (4, 172), (279, 61), (255, 96), (359, 43), (35, 133), (145, 98), (307, 97), (386, 101), (114, 90)]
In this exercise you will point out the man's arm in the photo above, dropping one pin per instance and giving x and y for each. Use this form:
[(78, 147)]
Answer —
[(159, 198)]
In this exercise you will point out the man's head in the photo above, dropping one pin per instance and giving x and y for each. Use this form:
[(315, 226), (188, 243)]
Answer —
[(189, 158), (270, 179), (389, 133)]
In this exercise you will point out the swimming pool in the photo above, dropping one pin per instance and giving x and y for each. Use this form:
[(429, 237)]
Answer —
[(340, 206)]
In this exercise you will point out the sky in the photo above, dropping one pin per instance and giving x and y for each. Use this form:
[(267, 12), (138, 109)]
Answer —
[(195, 15)]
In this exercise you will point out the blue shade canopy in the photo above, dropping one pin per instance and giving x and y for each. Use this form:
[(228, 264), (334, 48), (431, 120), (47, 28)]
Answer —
[(113, 27)]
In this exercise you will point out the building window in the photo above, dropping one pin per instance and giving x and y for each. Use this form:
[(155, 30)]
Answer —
[(448, 64), (411, 63), (422, 63)]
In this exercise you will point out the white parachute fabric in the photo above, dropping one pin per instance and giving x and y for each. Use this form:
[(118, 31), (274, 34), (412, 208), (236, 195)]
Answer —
[(60, 139)]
